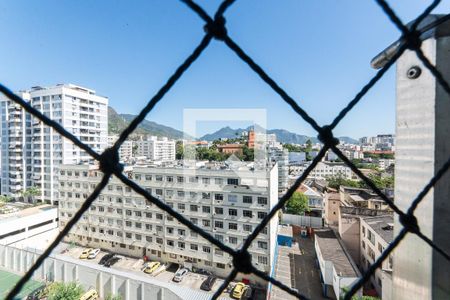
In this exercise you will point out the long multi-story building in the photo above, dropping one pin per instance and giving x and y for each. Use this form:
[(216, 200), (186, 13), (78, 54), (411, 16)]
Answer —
[(323, 170), (79, 110), (125, 150), (228, 203), (156, 148)]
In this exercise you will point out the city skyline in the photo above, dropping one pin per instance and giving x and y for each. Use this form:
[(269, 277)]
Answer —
[(302, 65)]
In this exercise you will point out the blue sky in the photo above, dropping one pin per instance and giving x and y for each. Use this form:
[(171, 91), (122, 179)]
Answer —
[(319, 51)]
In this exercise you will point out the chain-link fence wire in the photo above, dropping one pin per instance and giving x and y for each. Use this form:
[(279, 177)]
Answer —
[(241, 259)]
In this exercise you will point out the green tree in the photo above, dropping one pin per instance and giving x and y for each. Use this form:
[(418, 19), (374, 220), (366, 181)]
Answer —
[(297, 204), (30, 193), (293, 148), (335, 181), (113, 297), (380, 182), (65, 291), (308, 146), (5, 198), (179, 151), (248, 153)]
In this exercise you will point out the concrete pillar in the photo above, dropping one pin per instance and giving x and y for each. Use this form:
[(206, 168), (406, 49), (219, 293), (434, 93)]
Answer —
[(100, 285), (127, 289), (422, 147), (142, 291), (113, 284)]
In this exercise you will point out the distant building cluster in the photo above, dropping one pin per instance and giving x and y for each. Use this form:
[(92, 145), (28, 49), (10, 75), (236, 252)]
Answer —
[(381, 142)]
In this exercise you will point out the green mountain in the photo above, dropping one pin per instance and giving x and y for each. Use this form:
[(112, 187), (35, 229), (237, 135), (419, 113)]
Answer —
[(283, 136), (118, 122)]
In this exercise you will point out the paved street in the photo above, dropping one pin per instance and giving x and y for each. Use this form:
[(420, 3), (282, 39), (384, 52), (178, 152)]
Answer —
[(296, 268), (306, 276)]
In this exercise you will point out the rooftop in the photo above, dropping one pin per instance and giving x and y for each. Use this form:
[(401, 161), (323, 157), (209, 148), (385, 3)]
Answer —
[(18, 211), (382, 225), (333, 196), (285, 230), (332, 250)]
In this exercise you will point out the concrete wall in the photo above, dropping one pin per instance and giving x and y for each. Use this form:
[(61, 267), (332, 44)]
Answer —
[(422, 131), (314, 222), (342, 283), (104, 280), (331, 210), (24, 222), (326, 267)]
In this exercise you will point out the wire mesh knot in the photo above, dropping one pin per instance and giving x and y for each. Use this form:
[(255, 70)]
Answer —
[(109, 161), (413, 40), (409, 222), (326, 136), (217, 28), (242, 261)]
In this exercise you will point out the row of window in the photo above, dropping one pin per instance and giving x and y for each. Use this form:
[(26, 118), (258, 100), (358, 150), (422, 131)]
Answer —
[(246, 199), (182, 179), (205, 223), (181, 244)]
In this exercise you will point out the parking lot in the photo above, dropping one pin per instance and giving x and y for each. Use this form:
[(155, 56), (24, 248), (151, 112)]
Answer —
[(134, 265)]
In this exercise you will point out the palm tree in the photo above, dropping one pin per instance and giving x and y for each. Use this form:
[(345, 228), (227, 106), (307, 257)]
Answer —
[(30, 193)]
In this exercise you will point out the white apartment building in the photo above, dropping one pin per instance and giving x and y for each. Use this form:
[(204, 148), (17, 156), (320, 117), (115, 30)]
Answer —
[(156, 148), (228, 203), (79, 110), (125, 150), (281, 157), (324, 170), (376, 234), (15, 146)]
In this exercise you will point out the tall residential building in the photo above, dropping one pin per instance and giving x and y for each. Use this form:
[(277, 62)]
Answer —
[(281, 156), (79, 110), (226, 202), (125, 150), (156, 148), (15, 146)]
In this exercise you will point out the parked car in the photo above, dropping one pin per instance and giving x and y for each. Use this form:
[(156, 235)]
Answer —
[(248, 293), (90, 295), (105, 258), (151, 267), (208, 283), (180, 274), (111, 261), (85, 253), (93, 254), (239, 290)]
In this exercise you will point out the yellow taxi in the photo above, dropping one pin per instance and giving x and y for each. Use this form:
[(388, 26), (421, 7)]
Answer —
[(90, 295), (85, 253), (239, 290), (151, 267)]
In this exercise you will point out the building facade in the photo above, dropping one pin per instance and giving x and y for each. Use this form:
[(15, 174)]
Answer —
[(281, 157), (376, 234), (125, 150), (156, 148), (15, 147), (324, 170), (228, 204), (79, 110)]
